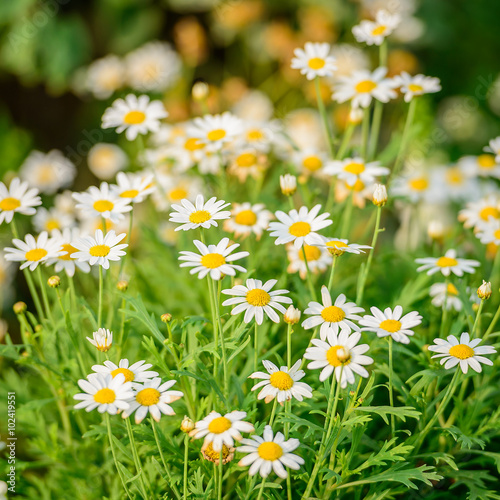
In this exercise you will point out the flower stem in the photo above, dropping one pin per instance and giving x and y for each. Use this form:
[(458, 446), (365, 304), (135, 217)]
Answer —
[(332, 272), (129, 236), (345, 140), (365, 127), (261, 489), (219, 497), (476, 321), (405, 137), (44, 295), (492, 324), (375, 129), (273, 411), (322, 112), (308, 274), (216, 298), (185, 476), (289, 346), (255, 348), (135, 456), (346, 221), (391, 390), (101, 296)]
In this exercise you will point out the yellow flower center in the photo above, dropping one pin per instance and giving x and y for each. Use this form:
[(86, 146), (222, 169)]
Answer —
[(486, 161), (134, 117), (246, 160), (193, 144), (258, 298), (488, 212), (129, 193), (312, 163), (451, 289), (365, 86), (454, 176), (254, 135), (216, 135), (419, 184), (36, 254), (332, 356), (461, 351), (148, 397), (312, 253), (245, 218), (354, 168), (214, 456), (105, 396), (66, 247), (413, 87), (129, 374), (336, 247), (213, 260), (446, 262), (391, 325), (298, 229), (281, 381), (219, 425), (316, 63), (496, 234), (46, 173), (270, 451), (379, 30), (178, 194), (200, 216), (52, 224), (9, 203), (358, 186), (99, 250), (333, 314), (103, 205)]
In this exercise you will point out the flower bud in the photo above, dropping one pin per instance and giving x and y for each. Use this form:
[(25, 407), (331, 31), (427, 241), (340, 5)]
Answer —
[(20, 307), (288, 184), (355, 116), (102, 340), (380, 195), (54, 281), (435, 230), (343, 354), (122, 285), (200, 91), (292, 316), (166, 318), (187, 425), (484, 291)]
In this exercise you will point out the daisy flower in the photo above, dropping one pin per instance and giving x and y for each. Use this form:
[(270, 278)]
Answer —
[(105, 160), (310, 161), (314, 60), (340, 354), (247, 219), (332, 317), (352, 170), (154, 398), (247, 162), (100, 249), (134, 115), (441, 292), (464, 352), (281, 383), (102, 202), (412, 86), (51, 220), (215, 130), (105, 393), (490, 232), (415, 186), (65, 261), (18, 197), (102, 340), (137, 373), (349, 58), (375, 32), (200, 214), (391, 323), (32, 252), (269, 453), (448, 263), (484, 165), (220, 430), (363, 86), (105, 76), (173, 189), (299, 226), (318, 259), (133, 187), (494, 147), (453, 183), (256, 299), (208, 453), (216, 260), (479, 212), (338, 246)]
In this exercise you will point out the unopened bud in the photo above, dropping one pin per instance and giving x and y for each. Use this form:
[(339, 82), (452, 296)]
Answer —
[(54, 281), (288, 184), (166, 318), (187, 425), (380, 195), (355, 116), (20, 307), (435, 230), (200, 91), (122, 285), (484, 291), (343, 354), (292, 315)]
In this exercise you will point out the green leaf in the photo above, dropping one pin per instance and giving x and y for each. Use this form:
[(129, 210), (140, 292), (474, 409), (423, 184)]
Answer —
[(142, 315), (399, 411), (465, 442)]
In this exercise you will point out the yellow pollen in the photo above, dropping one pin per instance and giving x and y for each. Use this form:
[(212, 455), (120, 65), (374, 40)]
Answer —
[(298, 229), (258, 298), (129, 374), (129, 193), (354, 168), (9, 204), (413, 87), (105, 396), (219, 425), (66, 247), (312, 163), (358, 186), (216, 135), (103, 205), (461, 351), (214, 456), (46, 173), (446, 262), (99, 250), (148, 397), (193, 144), (52, 224), (270, 451), (254, 135), (245, 218), (134, 117), (379, 30), (419, 184), (246, 160), (312, 253), (316, 63), (200, 216), (333, 314), (281, 381), (486, 161), (390, 325), (488, 212), (178, 194), (213, 260), (496, 234), (454, 176), (332, 357), (35, 254), (336, 247), (365, 86)]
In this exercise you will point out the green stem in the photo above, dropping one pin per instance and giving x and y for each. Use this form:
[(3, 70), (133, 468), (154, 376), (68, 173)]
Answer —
[(215, 326), (44, 295), (135, 456), (219, 497), (476, 321), (332, 272), (346, 221), (346, 140), (492, 324), (365, 126), (129, 236), (273, 412), (101, 296), (375, 129), (261, 489), (405, 137), (255, 348), (324, 118), (391, 389), (308, 274), (185, 475), (216, 298), (444, 310), (289, 346)]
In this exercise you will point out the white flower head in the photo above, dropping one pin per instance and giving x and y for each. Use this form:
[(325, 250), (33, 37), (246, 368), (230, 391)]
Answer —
[(318, 259), (479, 212), (65, 261), (200, 214), (412, 86), (447, 264), (102, 340), (105, 160), (352, 170), (215, 130), (314, 60), (339, 246), (485, 165), (136, 373), (133, 187), (489, 232), (442, 293), (105, 76), (494, 147), (52, 220), (247, 219), (18, 197), (375, 32)]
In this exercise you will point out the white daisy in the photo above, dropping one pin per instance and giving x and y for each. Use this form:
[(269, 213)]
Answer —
[(65, 261), (200, 214), (441, 292), (247, 219), (363, 86), (269, 453), (349, 58), (51, 220), (300, 227), (215, 130), (332, 317), (448, 263), (338, 246), (154, 398), (18, 197), (314, 60), (248, 162), (352, 170), (281, 383), (480, 212), (463, 351), (453, 183), (494, 147), (391, 323), (339, 354), (102, 340), (215, 260), (105, 160), (256, 299), (105, 76), (137, 373), (105, 393), (173, 189), (412, 86), (489, 232), (135, 115), (375, 32), (102, 202), (32, 252), (310, 161), (133, 187), (219, 430), (100, 249), (318, 259), (484, 165)]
